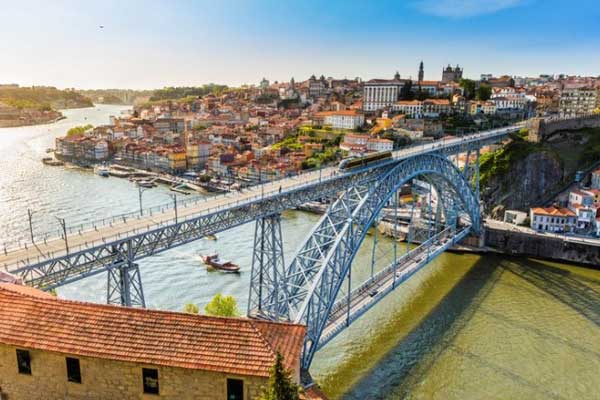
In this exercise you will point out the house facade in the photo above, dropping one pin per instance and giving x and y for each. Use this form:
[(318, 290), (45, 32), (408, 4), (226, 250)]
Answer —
[(52, 348)]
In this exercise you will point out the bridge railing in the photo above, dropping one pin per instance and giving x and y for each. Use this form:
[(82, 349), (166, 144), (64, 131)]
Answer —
[(321, 174), (269, 189)]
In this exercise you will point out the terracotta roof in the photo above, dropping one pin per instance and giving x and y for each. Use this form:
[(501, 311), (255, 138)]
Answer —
[(351, 113), (553, 211), (231, 345)]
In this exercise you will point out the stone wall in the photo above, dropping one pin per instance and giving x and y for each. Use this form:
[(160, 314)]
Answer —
[(106, 379), (540, 129), (555, 248)]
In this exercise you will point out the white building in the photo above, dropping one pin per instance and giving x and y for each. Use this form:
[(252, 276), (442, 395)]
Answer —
[(381, 93), (410, 108), (510, 103), (552, 219), (345, 119), (576, 102), (374, 144)]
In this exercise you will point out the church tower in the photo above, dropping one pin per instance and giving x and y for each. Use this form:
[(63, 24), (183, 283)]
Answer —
[(421, 72)]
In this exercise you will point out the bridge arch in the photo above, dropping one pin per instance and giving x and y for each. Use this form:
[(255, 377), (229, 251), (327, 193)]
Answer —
[(311, 282)]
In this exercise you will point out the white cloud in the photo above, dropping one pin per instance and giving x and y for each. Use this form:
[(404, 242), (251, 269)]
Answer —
[(464, 8)]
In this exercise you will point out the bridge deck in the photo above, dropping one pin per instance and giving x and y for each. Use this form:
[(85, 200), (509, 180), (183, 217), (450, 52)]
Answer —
[(373, 290), (53, 248)]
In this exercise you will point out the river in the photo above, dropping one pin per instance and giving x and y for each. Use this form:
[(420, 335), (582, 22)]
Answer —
[(466, 327)]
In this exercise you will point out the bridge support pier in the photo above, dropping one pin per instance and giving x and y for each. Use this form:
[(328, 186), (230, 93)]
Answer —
[(124, 283), (124, 286), (266, 278)]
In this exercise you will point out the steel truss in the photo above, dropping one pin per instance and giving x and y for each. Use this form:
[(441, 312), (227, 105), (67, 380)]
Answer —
[(314, 277), (267, 266), (324, 254), (51, 273)]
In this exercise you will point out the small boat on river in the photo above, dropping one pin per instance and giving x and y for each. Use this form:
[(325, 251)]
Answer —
[(211, 237), (146, 184), (213, 260), (102, 171), (52, 162)]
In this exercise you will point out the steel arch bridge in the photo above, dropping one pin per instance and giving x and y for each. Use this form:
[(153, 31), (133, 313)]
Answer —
[(306, 291), (310, 289)]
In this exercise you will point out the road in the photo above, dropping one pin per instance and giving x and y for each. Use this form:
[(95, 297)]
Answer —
[(374, 290), (51, 248)]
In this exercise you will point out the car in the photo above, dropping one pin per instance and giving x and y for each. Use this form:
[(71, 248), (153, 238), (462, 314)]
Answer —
[(373, 293)]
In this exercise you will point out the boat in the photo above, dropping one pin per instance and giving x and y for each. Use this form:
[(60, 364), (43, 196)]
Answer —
[(214, 261), (102, 171), (52, 162), (181, 188), (211, 237), (146, 184)]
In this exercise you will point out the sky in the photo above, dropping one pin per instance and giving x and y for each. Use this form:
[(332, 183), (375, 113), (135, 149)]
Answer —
[(151, 44)]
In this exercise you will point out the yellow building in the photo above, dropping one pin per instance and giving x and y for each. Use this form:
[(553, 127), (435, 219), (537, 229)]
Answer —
[(59, 349), (177, 159)]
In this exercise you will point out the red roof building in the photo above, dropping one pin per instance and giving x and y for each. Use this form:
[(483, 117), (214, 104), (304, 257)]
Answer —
[(115, 336)]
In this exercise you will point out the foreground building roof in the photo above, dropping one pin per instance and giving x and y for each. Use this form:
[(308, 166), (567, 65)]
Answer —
[(33, 319)]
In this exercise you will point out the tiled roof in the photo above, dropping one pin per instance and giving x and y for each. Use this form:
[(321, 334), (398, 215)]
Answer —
[(553, 211), (231, 345)]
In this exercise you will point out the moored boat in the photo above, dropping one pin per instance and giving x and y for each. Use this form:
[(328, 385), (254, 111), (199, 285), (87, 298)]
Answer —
[(214, 261), (102, 171), (146, 184), (211, 237), (51, 161)]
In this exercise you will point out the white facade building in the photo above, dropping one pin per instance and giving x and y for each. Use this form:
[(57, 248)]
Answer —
[(381, 93), (346, 119)]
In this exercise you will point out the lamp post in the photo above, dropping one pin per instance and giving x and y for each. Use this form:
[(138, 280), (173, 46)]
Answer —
[(29, 216), (140, 191), (174, 197), (63, 224)]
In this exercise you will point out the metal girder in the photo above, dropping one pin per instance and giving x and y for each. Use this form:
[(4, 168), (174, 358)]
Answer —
[(314, 276), (51, 273), (124, 286), (48, 273), (267, 267)]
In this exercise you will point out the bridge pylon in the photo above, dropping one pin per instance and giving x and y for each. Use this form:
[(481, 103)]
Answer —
[(267, 269), (124, 283)]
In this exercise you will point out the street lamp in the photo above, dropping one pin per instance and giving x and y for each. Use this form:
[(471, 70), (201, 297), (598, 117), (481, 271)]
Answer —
[(29, 215), (140, 191), (63, 224), (174, 197)]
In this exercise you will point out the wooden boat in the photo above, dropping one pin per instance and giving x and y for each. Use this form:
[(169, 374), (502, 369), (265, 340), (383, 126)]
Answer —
[(146, 184), (52, 162), (214, 261), (211, 237)]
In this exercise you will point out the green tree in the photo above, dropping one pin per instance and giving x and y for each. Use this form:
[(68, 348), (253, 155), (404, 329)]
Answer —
[(280, 386), (222, 306), (484, 92), (191, 308), (78, 130), (406, 92), (469, 87)]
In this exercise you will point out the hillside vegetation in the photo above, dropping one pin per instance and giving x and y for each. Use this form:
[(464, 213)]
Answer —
[(42, 98)]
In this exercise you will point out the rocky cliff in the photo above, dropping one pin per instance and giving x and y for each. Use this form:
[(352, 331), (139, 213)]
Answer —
[(523, 174), (526, 182)]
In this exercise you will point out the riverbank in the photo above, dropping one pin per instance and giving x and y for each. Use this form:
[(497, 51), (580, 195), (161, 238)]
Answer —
[(30, 119)]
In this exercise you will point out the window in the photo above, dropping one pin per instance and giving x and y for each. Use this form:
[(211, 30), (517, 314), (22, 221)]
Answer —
[(235, 389), (73, 370), (24, 362), (150, 380)]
